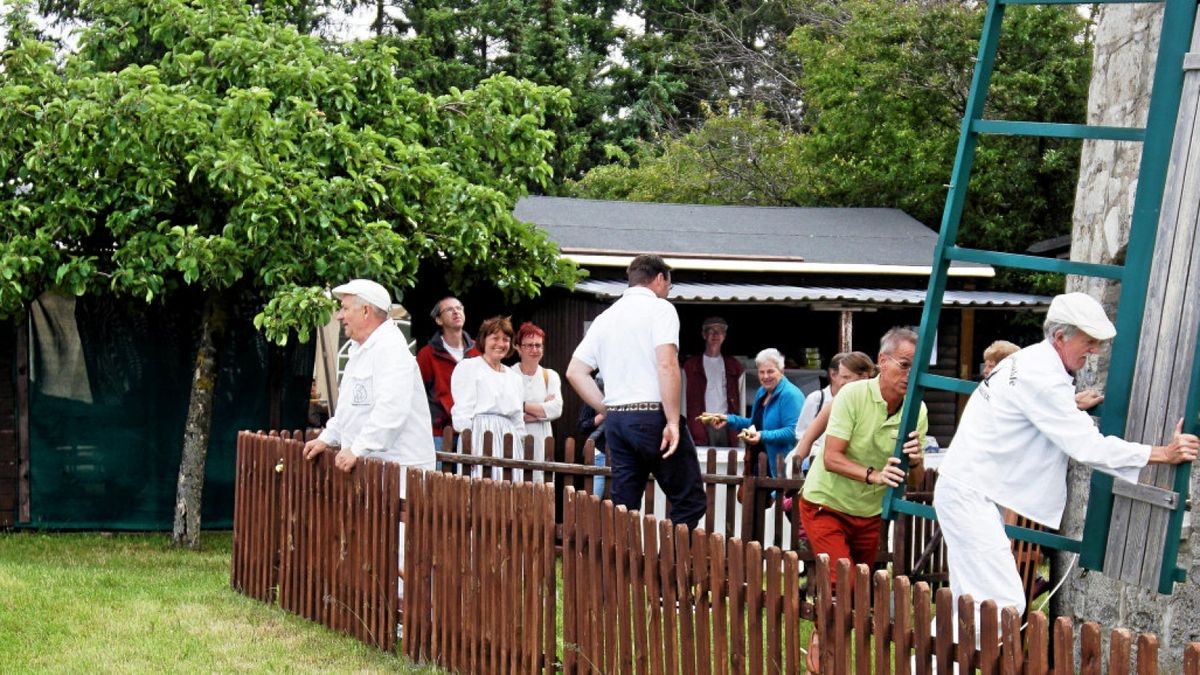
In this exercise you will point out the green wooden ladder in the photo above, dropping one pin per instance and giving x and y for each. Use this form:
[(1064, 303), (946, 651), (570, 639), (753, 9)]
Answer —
[(1156, 138)]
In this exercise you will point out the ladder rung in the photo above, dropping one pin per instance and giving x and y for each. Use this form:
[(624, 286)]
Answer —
[(1033, 262), (1043, 538), (1040, 537), (1058, 130), (1078, 2), (943, 383), (914, 509)]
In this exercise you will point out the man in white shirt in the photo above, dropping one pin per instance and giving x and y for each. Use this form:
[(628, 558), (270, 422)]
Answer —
[(635, 343), (381, 411), (1011, 450)]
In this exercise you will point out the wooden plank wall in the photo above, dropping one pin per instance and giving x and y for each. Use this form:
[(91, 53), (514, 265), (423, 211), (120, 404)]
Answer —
[(8, 425), (322, 543), (1167, 346)]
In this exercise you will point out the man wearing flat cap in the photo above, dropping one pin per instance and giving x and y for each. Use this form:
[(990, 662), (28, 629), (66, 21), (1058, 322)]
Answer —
[(381, 411), (1017, 432), (712, 385)]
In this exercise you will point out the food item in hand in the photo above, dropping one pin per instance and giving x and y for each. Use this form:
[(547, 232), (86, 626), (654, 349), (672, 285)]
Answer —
[(745, 434), (709, 418)]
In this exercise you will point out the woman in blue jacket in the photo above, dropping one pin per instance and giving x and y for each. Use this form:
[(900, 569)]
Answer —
[(773, 416)]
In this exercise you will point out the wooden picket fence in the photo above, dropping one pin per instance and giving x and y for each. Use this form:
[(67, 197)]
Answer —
[(322, 543), (916, 546), (638, 594), (481, 578)]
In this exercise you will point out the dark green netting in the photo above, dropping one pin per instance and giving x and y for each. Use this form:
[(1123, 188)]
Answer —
[(109, 383)]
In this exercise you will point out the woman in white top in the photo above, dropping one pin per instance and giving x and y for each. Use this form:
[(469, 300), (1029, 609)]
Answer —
[(542, 389), (487, 395), (851, 367)]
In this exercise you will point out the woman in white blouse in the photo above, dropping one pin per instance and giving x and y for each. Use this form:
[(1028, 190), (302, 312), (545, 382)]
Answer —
[(542, 389), (487, 395)]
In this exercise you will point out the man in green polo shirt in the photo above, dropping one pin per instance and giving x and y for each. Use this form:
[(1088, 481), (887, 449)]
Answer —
[(843, 493)]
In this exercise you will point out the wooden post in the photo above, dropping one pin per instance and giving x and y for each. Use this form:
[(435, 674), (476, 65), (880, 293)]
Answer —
[(966, 351), (22, 403), (846, 331)]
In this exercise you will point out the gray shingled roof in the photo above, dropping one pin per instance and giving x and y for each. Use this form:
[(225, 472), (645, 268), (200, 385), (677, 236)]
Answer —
[(814, 235)]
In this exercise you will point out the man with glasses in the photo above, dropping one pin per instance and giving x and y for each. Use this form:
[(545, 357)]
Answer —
[(843, 494), (438, 358), (635, 343)]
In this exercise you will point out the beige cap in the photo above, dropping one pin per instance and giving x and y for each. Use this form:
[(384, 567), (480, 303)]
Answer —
[(371, 292), (1082, 311)]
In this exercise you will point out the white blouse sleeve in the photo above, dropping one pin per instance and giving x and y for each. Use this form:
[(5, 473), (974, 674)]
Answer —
[(553, 406), (464, 388)]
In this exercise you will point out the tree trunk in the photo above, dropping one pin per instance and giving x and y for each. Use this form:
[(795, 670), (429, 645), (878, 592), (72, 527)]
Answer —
[(190, 487), (1126, 43)]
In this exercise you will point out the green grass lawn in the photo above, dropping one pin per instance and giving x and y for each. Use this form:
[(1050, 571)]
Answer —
[(83, 603)]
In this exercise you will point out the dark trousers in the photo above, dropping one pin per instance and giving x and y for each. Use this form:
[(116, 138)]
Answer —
[(633, 439)]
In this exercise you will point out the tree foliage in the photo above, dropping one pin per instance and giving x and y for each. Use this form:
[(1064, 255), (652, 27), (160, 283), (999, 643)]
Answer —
[(196, 143), (200, 143), (884, 86), (696, 54), (443, 45)]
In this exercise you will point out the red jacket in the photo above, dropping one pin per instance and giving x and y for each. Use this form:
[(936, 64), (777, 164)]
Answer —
[(436, 366), (696, 384)]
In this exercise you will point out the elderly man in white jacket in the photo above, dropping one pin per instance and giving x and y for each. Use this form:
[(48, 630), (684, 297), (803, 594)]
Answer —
[(1011, 450), (382, 410)]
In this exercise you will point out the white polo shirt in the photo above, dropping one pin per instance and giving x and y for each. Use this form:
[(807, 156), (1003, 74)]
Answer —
[(382, 410), (622, 341), (1019, 428)]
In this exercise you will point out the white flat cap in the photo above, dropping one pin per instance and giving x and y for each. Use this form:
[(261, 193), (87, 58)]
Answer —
[(1082, 311), (369, 291)]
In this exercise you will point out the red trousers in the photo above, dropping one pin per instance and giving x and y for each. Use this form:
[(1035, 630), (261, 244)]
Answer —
[(840, 535)]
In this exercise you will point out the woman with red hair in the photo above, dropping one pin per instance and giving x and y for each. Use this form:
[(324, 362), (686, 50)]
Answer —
[(542, 391)]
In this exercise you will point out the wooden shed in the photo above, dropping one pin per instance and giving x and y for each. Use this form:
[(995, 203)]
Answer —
[(803, 280)]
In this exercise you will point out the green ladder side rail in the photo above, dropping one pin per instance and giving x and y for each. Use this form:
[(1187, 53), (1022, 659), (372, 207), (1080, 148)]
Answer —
[(1169, 573), (1156, 137)]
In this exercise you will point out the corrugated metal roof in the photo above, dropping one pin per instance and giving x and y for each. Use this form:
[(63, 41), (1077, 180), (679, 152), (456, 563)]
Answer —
[(772, 293)]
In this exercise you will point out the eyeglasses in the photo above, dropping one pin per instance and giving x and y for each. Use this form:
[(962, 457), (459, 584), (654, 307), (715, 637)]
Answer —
[(457, 309), (536, 346), (902, 365)]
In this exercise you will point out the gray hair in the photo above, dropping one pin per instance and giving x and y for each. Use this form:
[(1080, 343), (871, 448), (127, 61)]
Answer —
[(1049, 328), (769, 355), (892, 339), (377, 312)]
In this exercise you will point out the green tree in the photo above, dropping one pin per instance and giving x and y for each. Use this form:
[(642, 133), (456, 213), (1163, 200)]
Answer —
[(746, 158), (884, 85), (885, 90), (197, 144), (443, 45), (702, 52)]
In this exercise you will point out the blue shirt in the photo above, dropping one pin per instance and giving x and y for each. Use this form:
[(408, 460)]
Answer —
[(779, 420)]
